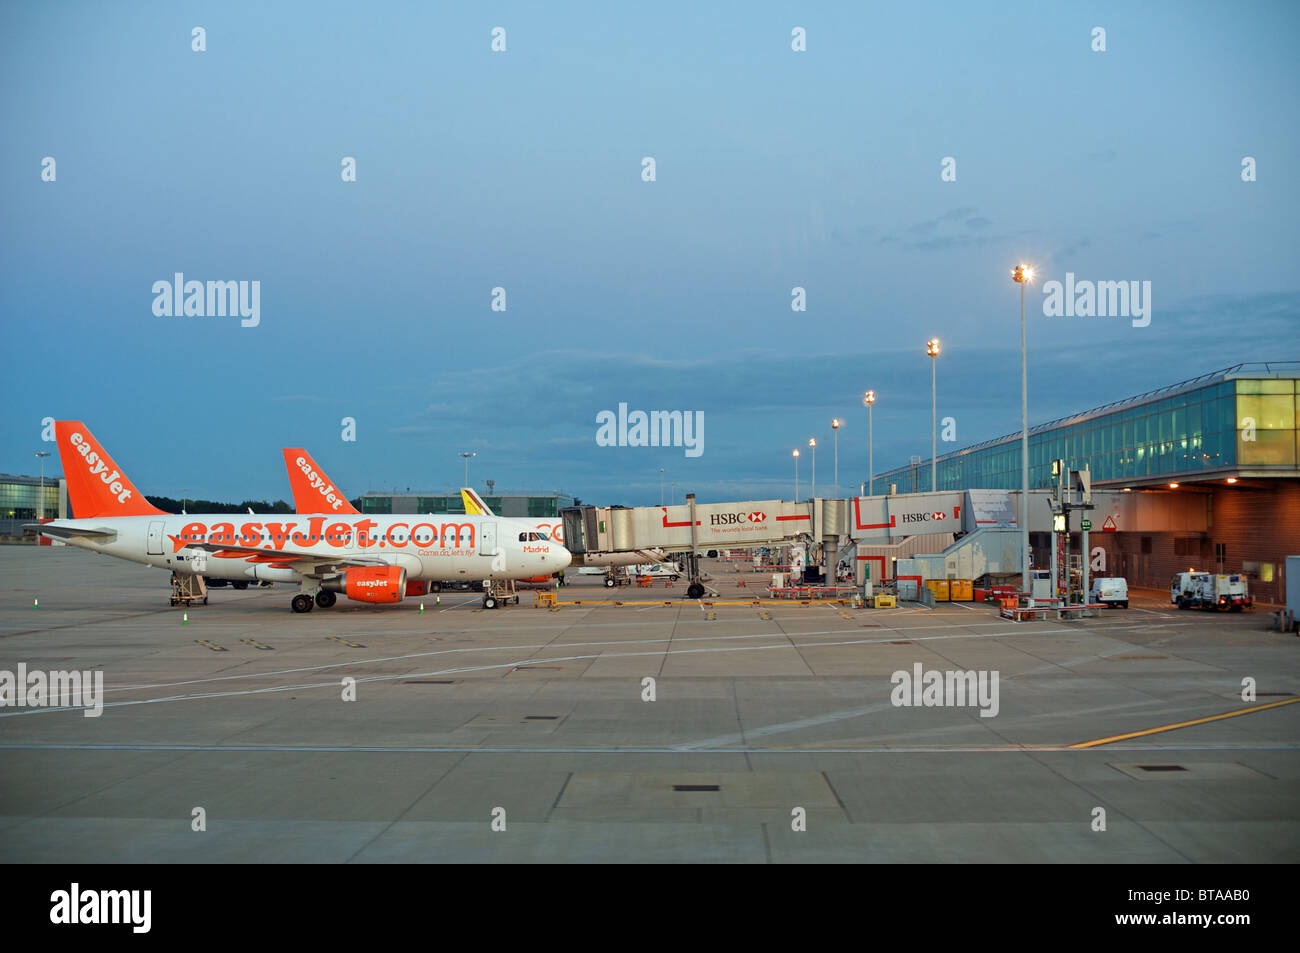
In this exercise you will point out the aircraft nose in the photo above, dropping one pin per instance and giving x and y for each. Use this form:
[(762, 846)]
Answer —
[(563, 558)]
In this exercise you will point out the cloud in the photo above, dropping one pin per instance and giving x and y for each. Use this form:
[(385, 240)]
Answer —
[(532, 429), (939, 234), (1072, 249)]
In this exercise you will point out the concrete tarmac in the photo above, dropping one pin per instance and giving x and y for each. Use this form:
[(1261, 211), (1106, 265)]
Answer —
[(522, 735)]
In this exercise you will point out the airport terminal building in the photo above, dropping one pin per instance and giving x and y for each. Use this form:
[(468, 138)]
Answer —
[(24, 498), (1230, 438)]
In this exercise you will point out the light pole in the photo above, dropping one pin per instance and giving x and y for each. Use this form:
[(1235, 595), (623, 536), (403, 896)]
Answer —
[(796, 474), (868, 399), (661, 486), (932, 348), (835, 428), (812, 443), (1022, 274), (467, 454), (40, 513)]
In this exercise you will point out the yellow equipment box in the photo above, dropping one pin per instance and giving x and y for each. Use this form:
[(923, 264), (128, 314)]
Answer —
[(962, 590), (940, 589), (885, 602)]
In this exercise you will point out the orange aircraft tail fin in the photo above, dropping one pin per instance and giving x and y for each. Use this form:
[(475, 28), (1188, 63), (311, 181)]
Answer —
[(312, 490), (96, 487)]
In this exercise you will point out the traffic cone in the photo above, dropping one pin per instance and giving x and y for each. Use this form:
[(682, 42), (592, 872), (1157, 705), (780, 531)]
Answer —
[(36, 603), (185, 618), (437, 600), (421, 608)]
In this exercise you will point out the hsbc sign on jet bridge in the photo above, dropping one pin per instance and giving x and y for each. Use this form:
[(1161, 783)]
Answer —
[(886, 519)]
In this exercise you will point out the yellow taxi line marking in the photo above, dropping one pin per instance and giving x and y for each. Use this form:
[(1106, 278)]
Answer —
[(1183, 724)]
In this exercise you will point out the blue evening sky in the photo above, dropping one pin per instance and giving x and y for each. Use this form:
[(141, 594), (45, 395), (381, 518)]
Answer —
[(775, 169)]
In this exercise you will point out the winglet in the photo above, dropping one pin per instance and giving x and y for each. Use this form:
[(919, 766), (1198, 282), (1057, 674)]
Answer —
[(313, 492), (474, 505), (96, 487)]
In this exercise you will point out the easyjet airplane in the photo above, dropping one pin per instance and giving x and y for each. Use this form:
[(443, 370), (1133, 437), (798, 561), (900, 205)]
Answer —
[(377, 559), (310, 485), (311, 488)]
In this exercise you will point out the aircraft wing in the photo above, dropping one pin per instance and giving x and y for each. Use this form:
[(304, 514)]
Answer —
[(68, 532), (309, 564)]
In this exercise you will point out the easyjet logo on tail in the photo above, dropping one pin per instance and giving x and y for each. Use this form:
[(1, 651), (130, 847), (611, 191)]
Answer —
[(312, 490), (99, 468), (96, 487)]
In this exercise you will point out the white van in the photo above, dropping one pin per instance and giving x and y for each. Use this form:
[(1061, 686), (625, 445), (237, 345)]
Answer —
[(1112, 590)]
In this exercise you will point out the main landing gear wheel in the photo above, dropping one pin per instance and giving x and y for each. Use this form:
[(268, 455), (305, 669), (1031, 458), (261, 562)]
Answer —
[(435, 587), (609, 582), (325, 598), (489, 602), (240, 585), (694, 591), (302, 602)]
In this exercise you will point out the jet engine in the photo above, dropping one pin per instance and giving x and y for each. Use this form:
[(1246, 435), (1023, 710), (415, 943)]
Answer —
[(381, 584)]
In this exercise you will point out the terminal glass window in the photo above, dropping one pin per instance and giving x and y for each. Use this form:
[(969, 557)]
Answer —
[(1198, 430), (1266, 423), (22, 500), (542, 506)]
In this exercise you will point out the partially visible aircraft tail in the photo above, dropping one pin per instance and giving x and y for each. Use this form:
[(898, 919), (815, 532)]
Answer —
[(312, 490), (96, 487), (474, 505)]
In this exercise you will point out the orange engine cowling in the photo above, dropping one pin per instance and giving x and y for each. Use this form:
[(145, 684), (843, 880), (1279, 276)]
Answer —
[(383, 584)]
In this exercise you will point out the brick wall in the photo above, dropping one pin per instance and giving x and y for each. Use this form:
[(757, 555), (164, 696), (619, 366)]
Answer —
[(1254, 525)]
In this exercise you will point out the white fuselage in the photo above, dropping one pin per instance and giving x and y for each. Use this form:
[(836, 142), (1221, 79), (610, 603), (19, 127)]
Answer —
[(441, 548)]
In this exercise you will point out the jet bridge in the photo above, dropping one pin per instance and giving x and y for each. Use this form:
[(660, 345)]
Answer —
[(835, 524), (982, 523), (692, 526)]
